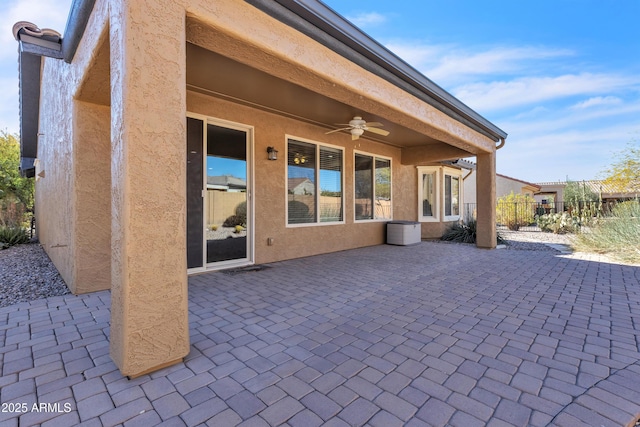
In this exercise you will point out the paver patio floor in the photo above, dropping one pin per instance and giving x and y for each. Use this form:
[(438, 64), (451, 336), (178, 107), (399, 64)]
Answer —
[(433, 334)]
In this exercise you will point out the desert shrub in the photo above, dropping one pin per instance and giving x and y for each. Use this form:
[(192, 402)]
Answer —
[(461, 232), (617, 235), (515, 210), (558, 223), (10, 236), (234, 220), (464, 232), (238, 229), (241, 212)]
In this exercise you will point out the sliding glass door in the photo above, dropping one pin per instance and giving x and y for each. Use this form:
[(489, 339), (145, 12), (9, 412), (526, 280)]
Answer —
[(219, 226)]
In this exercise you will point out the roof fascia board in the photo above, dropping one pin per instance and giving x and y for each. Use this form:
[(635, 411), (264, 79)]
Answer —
[(76, 25), (34, 49), (327, 27), (30, 68)]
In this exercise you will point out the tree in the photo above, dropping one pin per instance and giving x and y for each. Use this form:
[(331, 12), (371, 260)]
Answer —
[(16, 192), (515, 210), (624, 174), (575, 192)]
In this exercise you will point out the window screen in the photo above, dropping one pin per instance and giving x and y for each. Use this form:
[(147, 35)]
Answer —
[(330, 184), (315, 183)]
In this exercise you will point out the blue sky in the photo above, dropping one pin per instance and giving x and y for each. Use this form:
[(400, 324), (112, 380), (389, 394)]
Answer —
[(561, 77)]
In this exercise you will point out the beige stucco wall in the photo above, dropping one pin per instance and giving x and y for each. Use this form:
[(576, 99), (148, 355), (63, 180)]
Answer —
[(149, 310), (92, 213), (65, 145), (111, 204), (111, 207), (504, 187), (282, 51), (271, 192)]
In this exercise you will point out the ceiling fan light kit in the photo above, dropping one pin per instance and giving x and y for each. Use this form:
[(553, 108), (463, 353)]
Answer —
[(357, 127)]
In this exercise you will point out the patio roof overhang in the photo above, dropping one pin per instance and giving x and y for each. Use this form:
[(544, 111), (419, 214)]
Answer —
[(225, 66), (217, 74)]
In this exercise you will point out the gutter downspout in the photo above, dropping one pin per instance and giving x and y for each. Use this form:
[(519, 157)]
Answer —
[(502, 142)]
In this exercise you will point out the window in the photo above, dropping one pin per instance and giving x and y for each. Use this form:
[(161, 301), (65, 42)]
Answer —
[(451, 196), (372, 187), (428, 200), (314, 183), (439, 193)]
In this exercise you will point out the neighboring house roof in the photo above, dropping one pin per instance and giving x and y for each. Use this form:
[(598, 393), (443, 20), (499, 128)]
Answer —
[(596, 186), (466, 164), (461, 163), (534, 187), (311, 17), (296, 182), (227, 181)]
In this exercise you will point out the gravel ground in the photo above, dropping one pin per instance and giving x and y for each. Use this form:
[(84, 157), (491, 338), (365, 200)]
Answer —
[(27, 274), (533, 240)]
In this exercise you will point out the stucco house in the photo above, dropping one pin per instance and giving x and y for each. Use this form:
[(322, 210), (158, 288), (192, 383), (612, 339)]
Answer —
[(141, 101), (505, 185)]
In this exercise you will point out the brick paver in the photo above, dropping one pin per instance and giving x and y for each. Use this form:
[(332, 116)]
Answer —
[(433, 334)]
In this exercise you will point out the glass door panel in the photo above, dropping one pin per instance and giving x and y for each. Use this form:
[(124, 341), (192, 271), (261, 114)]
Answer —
[(195, 177), (227, 224)]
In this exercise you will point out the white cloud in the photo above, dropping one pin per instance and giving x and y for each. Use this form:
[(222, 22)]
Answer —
[(367, 19), (597, 101), (499, 95), (450, 64), (561, 142)]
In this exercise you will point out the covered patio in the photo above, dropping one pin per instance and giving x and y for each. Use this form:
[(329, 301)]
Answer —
[(433, 334)]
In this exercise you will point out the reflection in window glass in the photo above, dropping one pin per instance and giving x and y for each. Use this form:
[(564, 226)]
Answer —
[(301, 185), (428, 194), (383, 189), (451, 195), (364, 186), (314, 186), (330, 184), (372, 187)]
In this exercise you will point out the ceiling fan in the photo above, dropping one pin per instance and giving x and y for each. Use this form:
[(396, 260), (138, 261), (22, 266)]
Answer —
[(357, 126)]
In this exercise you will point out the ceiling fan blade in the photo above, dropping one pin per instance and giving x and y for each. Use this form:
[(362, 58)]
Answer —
[(378, 131), (354, 136), (374, 124), (336, 130), (342, 124)]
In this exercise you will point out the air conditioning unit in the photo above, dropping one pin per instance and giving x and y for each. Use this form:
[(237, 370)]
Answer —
[(403, 233)]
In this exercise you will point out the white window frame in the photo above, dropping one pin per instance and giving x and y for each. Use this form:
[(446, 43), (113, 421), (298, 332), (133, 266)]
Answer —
[(455, 173), (317, 144), (436, 171), (374, 156)]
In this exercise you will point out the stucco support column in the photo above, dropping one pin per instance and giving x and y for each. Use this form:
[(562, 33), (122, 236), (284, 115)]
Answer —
[(486, 200), (92, 199), (149, 305)]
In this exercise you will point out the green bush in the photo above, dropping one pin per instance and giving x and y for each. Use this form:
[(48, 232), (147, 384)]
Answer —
[(10, 236), (516, 210), (617, 235), (558, 223)]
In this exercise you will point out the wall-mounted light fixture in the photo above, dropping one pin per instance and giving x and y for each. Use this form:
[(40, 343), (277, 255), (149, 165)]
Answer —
[(272, 153)]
